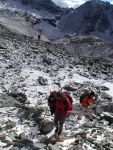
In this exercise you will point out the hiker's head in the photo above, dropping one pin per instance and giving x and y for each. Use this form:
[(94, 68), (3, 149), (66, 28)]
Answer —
[(58, 93), (92, 94)]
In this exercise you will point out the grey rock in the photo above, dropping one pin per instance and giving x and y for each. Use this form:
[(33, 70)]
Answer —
[(46, 126), (107, 117), (53, 147), (2, 136), (106, 96), (42, 81), (10, 124), (104, 88), (8, 101), (69, 88), (21, 97)]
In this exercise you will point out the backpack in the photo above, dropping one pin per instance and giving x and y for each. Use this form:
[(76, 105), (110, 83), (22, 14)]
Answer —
[(83, 96), (52, 100), (69, 97)]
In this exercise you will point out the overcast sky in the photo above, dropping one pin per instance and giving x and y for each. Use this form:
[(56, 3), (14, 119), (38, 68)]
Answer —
[(72, 3)]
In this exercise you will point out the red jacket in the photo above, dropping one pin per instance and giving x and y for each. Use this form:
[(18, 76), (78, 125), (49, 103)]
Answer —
[(61, 104), (88, 101)]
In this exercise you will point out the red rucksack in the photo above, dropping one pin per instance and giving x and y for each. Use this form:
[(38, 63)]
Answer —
[(53, 98), (69, 97)]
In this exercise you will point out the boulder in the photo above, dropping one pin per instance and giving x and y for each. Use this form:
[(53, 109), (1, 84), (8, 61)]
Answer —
[(104, 88), (21, 97), (2, 136), (46, 126), (53, 147), (8, 101), (48, 61), (42, 81), (10, 124), (106, 96), (69, 88), (108, 117)]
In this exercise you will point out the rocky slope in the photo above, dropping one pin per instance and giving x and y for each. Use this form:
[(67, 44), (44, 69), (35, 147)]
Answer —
[(29, 17), (30, 69)]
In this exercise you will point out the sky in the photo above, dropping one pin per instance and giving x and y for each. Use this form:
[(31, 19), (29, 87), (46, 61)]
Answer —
[(73, 3)]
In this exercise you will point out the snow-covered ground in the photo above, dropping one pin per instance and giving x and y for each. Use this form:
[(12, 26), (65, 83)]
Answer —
[(35, 68)]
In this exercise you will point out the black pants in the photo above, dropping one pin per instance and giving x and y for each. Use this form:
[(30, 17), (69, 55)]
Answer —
[(58, 122)]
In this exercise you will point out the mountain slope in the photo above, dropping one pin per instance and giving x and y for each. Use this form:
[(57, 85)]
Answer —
[(91, 18), (31, 17), (30, 69)]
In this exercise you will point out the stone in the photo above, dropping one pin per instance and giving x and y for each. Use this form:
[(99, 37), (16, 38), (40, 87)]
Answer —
[(21, 97), (8, 101), (53, 147), (106, 96), (46, 126), (69, 88), (48, 61), (2, 136), (108, 117), (104, 88), (42, 81), (10, 124), (22, 136)]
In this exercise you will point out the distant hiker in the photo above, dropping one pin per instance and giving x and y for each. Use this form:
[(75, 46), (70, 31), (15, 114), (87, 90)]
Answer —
[(60, 106), (86, 100), (39, 35)]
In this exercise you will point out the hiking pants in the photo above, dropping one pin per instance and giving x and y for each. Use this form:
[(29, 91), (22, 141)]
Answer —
[(86, 110), (59, 121)]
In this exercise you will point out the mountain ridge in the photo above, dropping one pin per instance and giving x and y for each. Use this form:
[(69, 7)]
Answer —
[(91, 18)]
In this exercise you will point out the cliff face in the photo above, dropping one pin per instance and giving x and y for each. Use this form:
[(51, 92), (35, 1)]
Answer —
[(43, 4), (91, 18)]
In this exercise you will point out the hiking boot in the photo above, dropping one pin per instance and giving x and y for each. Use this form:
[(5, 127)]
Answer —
[(77, 142), (79, 118), (56, 130), (91, 119), (59, 132)]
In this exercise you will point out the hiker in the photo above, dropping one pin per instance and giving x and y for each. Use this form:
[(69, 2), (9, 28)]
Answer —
[(39, 35), (60, 106), (86, 100)]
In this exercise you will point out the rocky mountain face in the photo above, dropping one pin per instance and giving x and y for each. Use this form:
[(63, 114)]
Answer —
[(28, 17), (30, 69), (43, 4), (92, 18), (37, 4)]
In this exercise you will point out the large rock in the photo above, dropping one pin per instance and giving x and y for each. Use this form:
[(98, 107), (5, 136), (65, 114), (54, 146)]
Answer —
[(42, 81), (21, 97), (106, 96), (108, 117), (2, 136), (104, 108), (46, 126), (29, 112), (53, 147), (104, 88), (10, 124), (8, 101), (69, 88)]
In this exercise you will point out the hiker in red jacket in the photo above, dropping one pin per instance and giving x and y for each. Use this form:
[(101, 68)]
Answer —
[(60, 106), (86, 100)]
